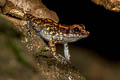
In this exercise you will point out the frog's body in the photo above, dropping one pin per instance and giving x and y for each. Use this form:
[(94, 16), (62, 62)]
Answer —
[(57, 33)]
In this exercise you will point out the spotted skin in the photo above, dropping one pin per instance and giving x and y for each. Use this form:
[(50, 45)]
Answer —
[(56, 33)]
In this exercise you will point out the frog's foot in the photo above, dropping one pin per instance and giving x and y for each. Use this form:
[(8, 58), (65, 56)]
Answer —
[(46, 49), (61, 59)]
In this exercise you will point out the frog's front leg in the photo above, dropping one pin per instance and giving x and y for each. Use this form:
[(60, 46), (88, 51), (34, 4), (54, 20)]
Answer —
[(66, 52), (52, 46)]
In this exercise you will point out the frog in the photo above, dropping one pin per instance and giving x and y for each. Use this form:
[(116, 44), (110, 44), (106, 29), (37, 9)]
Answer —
[(56, 33)]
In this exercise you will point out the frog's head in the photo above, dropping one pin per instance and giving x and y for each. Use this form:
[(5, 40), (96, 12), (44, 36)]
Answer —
[(77, 32)]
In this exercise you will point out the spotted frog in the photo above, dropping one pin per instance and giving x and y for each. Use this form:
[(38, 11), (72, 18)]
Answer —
[(55, 33)]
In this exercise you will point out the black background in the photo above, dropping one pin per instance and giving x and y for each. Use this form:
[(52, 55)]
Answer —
[(102, 24)]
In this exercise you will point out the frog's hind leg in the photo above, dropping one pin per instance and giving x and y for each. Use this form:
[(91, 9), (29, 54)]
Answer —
[(52, 46)]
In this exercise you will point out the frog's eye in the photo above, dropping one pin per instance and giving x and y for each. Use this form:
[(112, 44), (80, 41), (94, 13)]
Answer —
[(76, 29)]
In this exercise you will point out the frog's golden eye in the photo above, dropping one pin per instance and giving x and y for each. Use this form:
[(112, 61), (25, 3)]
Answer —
[(76, 29)]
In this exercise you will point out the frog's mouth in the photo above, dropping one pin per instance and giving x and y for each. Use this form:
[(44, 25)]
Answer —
[(74, 37), (81, 35)]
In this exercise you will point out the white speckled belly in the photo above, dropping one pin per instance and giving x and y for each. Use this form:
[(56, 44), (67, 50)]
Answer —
[(62, 40)]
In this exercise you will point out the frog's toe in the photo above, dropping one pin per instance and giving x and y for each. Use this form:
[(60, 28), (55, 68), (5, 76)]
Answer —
[(62, 59)]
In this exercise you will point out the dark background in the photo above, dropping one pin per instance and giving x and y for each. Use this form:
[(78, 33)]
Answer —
[(102, 24)]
